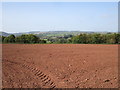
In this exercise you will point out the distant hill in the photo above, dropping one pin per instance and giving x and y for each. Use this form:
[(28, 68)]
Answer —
[(49, 33), (16, 34), (4, 34), (57, 33)]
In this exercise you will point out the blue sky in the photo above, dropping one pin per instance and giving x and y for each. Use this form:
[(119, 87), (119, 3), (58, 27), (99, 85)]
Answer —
[(60, 16)]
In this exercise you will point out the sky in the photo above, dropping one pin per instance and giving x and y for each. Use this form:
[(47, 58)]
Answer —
[(59, 16)]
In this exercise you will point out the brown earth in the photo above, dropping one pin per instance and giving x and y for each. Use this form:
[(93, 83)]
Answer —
[(59, 66)]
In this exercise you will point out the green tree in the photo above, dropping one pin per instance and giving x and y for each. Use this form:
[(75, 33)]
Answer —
[(75, 39), (82, 38), (11, 38), (2, 38), (69, 40), (18, 39), (23, 38), (42, 41), (6, 40), (110, 38), (32, 39), (117, 38)]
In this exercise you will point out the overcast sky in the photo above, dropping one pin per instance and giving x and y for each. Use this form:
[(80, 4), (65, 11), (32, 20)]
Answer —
[(60, 16)]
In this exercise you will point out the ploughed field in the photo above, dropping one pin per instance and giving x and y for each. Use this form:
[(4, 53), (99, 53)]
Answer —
[(59, 66)]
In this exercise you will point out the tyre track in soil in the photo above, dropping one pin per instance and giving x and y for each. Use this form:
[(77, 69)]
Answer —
[(43, 78)]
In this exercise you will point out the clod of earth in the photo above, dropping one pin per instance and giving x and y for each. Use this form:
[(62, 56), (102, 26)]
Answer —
[(107, 80)]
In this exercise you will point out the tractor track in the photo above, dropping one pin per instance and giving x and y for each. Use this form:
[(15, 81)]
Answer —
[(45, 79)]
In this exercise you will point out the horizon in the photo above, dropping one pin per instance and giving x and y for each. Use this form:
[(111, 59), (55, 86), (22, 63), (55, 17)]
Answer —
[(60, 16), (61, 31)]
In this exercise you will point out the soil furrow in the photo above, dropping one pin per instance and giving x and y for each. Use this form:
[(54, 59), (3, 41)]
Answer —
[(40, 75)]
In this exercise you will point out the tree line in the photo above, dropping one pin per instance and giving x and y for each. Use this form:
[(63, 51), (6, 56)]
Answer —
[(25, 38), (95, 38)]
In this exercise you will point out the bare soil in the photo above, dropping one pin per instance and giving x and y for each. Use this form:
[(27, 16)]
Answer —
[(59, 66)]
